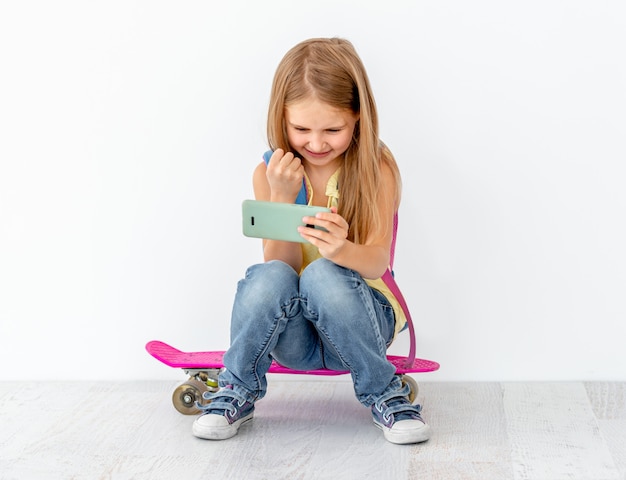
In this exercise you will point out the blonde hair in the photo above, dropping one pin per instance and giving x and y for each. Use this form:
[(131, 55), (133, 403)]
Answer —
[(330, 70)]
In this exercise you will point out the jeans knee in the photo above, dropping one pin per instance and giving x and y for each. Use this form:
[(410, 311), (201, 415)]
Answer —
[(266, 282), (272, 270), (326, 282)]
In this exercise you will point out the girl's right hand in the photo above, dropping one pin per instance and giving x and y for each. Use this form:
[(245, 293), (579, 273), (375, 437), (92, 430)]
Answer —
[(284, 175)]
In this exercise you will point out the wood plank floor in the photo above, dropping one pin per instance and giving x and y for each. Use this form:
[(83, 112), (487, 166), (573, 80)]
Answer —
[(314, 429)]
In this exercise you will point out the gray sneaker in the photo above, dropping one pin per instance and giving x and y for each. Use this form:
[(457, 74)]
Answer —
[(400, 421), (223, 416)]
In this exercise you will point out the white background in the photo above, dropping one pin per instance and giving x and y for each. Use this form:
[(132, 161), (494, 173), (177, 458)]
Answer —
[(129, 131)]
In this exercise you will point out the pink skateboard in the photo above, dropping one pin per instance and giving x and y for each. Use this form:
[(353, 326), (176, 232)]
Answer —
[(204, 367)]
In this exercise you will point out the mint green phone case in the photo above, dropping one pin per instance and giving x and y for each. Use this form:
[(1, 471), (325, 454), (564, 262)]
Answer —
[(276, 221)]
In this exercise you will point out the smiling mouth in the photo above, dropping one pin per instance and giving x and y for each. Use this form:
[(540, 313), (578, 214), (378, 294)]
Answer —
[(316, 154)]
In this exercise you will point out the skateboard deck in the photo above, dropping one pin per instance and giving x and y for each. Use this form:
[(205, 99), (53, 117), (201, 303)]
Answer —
[(203, 369), (175, 358)]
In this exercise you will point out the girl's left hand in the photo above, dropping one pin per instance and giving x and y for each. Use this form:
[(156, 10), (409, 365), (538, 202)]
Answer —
[(331, 242)]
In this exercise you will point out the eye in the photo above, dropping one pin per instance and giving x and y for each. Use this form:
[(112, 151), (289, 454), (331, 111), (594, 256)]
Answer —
[(334, 130)]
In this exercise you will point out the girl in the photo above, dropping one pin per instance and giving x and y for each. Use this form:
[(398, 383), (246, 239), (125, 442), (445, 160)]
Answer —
[(321, 304)]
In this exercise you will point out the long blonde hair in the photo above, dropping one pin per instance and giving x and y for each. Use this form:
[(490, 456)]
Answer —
[(330, 70)]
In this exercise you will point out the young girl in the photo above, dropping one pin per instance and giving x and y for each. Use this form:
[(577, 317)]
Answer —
[(321, 304)]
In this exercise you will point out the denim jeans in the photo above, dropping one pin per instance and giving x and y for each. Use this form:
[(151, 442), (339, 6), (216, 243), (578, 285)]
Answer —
[(327, 317)]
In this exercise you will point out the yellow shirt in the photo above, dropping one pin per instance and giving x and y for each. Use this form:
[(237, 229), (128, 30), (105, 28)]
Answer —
[(311, 253)]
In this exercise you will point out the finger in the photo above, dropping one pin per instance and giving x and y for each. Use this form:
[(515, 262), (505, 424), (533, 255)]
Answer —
[(285, 163), (330, 221), (326, 231), (276, 156), (281, 161), (327, 244), (313, 235)]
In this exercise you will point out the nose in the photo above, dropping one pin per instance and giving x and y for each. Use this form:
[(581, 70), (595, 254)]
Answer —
[(316, 142)]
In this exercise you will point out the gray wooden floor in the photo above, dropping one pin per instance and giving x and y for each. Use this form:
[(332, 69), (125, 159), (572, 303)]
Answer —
[(314, 429)]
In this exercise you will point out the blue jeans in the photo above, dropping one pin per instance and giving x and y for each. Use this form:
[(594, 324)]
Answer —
[(327, 317)]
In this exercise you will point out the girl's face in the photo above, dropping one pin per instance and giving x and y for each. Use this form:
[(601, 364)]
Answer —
[(319, 132)]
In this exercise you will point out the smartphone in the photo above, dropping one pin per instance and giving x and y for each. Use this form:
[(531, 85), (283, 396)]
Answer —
[(276, 221)]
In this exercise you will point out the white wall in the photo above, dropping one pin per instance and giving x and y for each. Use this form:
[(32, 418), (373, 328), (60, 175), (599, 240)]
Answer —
[(129, 131)]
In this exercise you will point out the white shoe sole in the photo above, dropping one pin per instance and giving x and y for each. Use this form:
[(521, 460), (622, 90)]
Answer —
[(405, 437), (217, 431)]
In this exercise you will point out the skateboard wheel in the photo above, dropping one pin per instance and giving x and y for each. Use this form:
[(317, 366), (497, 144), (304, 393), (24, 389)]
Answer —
[(186, 395), (410, 381)]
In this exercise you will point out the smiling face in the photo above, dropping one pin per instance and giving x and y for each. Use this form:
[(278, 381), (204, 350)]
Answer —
[(319, 132)]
